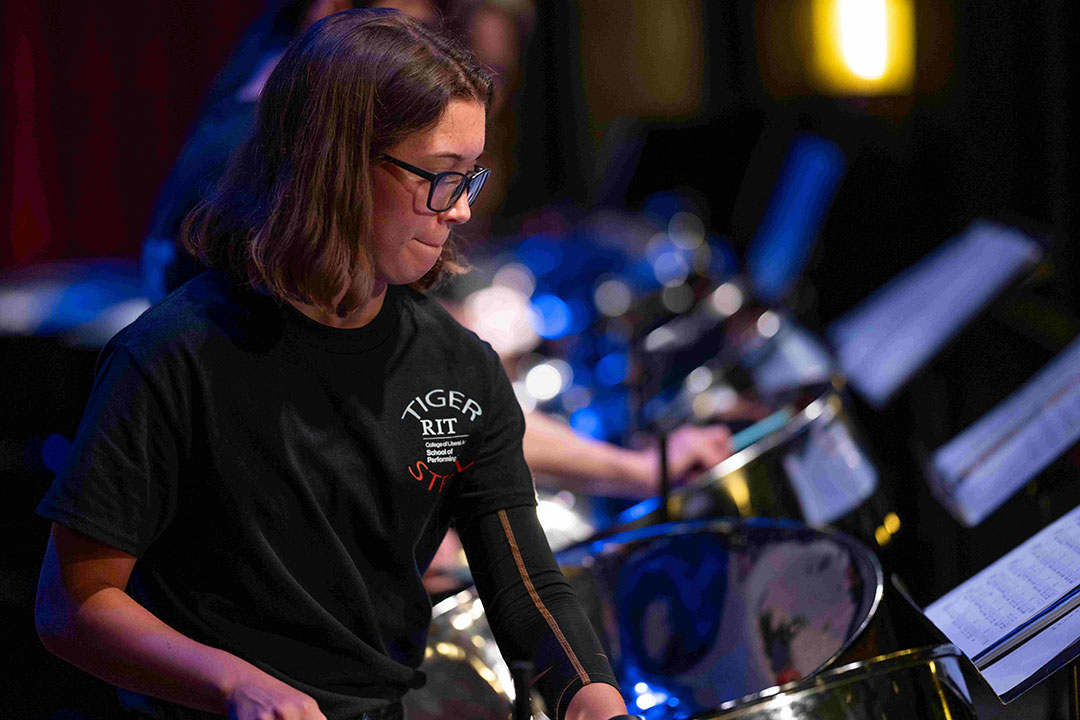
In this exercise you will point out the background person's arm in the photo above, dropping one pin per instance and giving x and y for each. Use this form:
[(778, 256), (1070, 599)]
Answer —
[(85, 616), (593, 467)]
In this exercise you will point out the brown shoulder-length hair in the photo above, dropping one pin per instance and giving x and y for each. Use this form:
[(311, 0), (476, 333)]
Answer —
[(293, 214)]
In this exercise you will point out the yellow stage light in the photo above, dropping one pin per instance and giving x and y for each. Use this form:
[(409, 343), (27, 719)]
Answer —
[(863, 47)]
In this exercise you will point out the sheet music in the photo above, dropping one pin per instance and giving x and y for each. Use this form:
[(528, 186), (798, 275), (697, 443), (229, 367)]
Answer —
[(890, 335), (1007, 600), (830, 474), (1028, 664), (985, 465), (799, 360)]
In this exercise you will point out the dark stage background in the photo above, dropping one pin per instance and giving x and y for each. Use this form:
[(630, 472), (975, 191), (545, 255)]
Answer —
[(98, 102), (614, 102)]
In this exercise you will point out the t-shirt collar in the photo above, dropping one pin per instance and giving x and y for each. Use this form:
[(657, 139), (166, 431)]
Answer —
[(299, 326)]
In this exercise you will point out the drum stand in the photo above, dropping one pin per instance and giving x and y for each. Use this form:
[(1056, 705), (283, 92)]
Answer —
[(522, 673), (1069, 678), (1073, 688), (665, 477)]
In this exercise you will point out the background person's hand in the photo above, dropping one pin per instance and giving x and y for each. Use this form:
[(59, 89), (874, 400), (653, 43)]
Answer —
[(692, 449)]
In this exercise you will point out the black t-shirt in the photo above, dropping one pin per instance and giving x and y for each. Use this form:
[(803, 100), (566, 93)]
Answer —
[(284, 484)]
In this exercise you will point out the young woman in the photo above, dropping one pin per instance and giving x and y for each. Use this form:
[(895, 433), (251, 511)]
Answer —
[(271, 455)]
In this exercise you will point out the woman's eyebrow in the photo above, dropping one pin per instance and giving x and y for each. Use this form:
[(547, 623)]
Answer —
[(446, 158), (451, 156)]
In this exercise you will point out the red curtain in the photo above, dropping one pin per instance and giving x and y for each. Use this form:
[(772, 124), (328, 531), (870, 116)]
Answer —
[(97, 100)]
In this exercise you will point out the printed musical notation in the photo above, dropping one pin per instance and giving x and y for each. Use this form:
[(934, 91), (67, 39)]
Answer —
[(982, 467), (885, 339), (829, 473), (1022, 613)]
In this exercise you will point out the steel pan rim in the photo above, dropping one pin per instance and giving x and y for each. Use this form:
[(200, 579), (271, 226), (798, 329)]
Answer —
[(838, 677), (453, 602), (613, 544), (819, 409)]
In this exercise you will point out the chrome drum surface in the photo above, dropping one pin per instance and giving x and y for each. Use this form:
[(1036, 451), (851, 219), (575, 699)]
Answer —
[(809, 465), (466, 675), (696, 614), (925, 683)]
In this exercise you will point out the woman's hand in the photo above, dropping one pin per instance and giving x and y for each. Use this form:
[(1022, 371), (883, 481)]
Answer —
[(595, 701), (271, 699)]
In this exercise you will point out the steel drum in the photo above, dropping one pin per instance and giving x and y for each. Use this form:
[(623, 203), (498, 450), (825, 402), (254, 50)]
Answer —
[(801, 458), (466, 674), (692, 614), (925, 683), (804, 462), (697, 614)]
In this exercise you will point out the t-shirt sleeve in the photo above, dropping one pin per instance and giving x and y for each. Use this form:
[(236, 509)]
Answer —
[(118, 485), (495, 476)]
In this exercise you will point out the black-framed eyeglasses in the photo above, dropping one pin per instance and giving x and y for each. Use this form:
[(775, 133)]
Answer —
[(446, 187)]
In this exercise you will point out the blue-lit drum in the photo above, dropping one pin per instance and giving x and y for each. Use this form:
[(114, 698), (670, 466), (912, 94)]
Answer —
[(697, 614), (925, 683)]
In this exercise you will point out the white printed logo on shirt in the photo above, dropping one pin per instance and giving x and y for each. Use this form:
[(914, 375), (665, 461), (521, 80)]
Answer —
[(442, 416)]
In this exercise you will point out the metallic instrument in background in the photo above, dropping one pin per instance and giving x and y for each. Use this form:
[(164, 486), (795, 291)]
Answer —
[(802, 456), (803, 461)]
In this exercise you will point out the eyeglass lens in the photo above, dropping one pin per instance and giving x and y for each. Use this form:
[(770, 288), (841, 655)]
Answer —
[(448, 189)]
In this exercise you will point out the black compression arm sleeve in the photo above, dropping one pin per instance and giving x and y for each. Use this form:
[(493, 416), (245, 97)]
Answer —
[(533, 613)]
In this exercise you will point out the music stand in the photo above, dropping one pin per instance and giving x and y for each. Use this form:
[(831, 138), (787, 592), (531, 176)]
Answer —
[(1003, 622)]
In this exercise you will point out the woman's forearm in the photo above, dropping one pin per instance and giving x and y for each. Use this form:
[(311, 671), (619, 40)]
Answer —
[(85, 619)]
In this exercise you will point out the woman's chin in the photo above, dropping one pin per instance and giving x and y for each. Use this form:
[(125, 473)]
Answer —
[(411, 264), (408, 277)]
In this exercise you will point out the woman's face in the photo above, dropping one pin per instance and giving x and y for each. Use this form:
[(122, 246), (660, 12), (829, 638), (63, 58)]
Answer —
[(408, 236)]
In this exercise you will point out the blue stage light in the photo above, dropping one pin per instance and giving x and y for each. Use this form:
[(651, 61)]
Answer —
[(723, 263), (671, 267), (612, 368), (540, 253), (581, 315), (158, 254), (552, 317), (54, 452), (588, 422), (805, 189)]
